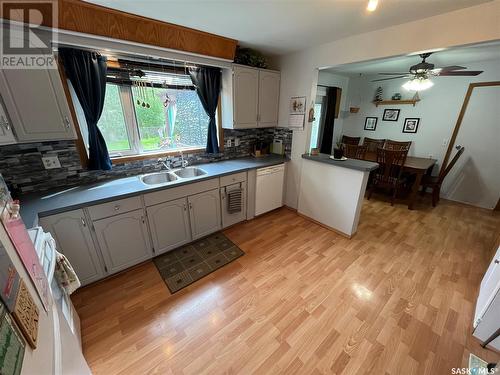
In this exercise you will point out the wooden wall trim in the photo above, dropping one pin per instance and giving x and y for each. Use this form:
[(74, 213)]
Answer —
[(83, 17), (451, 144), (79, 16)]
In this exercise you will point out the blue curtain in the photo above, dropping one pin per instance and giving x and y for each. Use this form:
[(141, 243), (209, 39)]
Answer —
[(87, 72), (208, 86)]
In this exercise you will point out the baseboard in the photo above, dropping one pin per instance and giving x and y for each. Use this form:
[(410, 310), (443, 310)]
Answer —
[(326, 226)]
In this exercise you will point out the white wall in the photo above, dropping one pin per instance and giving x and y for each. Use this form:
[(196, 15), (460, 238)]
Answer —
[(335, 80), (299, 70), (438, 110)]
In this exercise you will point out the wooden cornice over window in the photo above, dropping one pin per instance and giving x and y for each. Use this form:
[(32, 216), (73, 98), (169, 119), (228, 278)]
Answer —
[(83, 17)]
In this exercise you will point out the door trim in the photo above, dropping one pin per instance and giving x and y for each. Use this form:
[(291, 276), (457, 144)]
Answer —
[(451, 144)]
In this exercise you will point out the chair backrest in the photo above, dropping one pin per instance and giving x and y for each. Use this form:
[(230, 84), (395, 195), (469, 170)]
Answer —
[(444, 171), (350, 140), (396, 145), (354, 151), (372, 144), (390, 164)]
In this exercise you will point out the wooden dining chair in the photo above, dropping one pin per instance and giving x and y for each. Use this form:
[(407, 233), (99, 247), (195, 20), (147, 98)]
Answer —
[(389, 173), (397, 145), (435, 182), (354, 151), (372, 144), (350, 140)]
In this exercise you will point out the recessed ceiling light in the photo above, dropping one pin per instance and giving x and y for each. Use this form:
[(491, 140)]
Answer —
[(372, 5)]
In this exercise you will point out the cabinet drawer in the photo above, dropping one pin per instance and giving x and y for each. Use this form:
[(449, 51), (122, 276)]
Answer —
[(120, 206), (180, 191), (233, 178)]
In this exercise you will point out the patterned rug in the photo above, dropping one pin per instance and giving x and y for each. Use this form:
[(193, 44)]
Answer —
[(186, 264)]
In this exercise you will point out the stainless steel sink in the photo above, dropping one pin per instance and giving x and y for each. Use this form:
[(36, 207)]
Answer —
[(158, 178), (189, 172)]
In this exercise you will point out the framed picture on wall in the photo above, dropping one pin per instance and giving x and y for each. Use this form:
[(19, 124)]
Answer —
[(411, 125), (371, 123), (391, 115)]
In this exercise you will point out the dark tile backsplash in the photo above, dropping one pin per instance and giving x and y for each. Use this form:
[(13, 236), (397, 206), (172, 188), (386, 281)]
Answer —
[(21, 164)]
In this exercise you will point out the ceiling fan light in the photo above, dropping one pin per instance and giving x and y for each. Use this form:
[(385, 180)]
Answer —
[(372, 5), (418, 84)]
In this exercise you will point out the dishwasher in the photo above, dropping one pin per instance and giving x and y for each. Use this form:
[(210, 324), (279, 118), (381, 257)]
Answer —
[(269, 188)]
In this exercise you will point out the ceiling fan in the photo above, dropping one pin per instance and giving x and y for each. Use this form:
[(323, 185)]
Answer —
[(419, 75)]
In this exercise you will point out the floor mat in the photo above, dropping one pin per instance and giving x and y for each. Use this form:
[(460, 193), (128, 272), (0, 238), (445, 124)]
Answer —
[(186, 264)]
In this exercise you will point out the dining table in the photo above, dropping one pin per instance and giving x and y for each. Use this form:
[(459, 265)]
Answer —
[(414, 165)]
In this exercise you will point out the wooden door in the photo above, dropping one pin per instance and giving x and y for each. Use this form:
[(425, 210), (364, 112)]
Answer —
[(73, 239), (245, 97), (204, 213), (269, 96), (123, 239), (35, 101), (6, 133), (169, 224)]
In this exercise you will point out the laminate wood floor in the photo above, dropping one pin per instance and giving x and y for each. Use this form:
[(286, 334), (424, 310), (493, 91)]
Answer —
[(396, 299)]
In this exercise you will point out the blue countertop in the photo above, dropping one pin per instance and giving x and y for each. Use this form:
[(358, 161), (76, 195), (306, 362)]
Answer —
[(71, 198), (360, 165)]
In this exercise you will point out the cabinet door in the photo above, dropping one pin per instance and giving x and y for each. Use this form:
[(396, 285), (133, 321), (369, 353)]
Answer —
[(36, 103), (245, 97), (123, 240), (229, 219), (269, 96), (169, 224), (6, 134), (204, 212), (72, 235)]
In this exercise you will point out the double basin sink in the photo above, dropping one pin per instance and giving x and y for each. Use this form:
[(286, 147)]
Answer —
[(171, 176)]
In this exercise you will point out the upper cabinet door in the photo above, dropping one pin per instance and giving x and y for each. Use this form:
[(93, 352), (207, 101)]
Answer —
[(204, 212), (245, 97), (6, 134), (36, 104), (269, 96), (72, 234), (123, 239), (169, 224)]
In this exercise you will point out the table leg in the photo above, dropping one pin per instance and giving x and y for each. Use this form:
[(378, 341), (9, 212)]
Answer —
[(414, 189)]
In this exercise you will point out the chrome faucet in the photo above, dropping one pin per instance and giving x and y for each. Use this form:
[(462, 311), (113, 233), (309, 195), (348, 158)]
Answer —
[(165, 162), (184, 163)]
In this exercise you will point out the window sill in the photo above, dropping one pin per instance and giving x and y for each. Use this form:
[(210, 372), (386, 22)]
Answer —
[(154, 155)]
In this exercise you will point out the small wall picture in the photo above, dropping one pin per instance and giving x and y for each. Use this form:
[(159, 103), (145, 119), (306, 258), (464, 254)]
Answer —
[(371, 123), (411, 125), (298, 105), (391, 115)]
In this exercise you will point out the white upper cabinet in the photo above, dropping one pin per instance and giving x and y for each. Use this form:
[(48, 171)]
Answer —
[(6, 134), (254, 97), (36, 104), (245, 97), (269, 96)]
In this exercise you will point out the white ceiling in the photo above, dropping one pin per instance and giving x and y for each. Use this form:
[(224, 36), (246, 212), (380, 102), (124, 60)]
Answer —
[(281, 26), (454, 56)]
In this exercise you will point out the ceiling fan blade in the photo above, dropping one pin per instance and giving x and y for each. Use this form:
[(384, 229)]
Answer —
[(386, 79), (461, 73), (393, 74), (450, 68)]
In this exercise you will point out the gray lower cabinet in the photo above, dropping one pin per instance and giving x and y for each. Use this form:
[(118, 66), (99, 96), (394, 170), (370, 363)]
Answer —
[(123, 239), (169, 225), (204, 213), (72, 234)]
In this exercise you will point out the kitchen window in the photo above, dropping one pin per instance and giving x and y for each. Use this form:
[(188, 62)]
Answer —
[(150, 112), (155, 114)]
